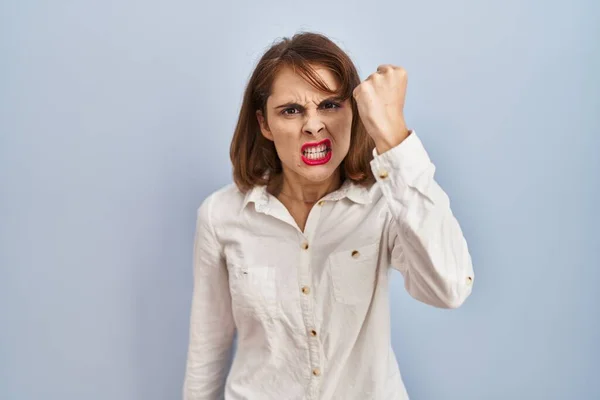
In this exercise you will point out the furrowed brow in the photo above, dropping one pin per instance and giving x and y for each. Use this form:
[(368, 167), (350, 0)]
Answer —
[(336, 99)]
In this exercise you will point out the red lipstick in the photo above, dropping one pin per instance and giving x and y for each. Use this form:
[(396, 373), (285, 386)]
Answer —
[(326, 156)]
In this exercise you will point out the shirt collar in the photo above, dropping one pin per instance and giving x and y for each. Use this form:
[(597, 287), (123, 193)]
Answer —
[(355, 192)]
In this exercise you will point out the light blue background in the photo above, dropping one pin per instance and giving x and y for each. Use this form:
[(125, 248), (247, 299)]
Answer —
[(115, 123)]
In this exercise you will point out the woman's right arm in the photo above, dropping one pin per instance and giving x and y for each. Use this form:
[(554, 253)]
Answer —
[(211, 322)]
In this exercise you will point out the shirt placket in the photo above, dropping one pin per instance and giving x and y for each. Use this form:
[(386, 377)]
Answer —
[(308, 301)]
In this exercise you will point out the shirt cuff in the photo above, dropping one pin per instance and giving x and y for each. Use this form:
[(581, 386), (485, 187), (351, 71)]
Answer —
[(409, 160)]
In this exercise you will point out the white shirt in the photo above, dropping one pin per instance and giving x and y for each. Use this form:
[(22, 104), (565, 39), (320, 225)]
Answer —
[(311, 308)]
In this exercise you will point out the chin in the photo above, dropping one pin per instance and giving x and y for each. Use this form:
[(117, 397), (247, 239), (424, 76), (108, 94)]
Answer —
[(315, 173)]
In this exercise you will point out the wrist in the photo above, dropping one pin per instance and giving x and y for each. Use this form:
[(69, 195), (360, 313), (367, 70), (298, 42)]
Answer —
[(384, 143)]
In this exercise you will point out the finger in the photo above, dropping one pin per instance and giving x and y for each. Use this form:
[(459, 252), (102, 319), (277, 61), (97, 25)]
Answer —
[(383, 68), (374, 75), (361, 88)]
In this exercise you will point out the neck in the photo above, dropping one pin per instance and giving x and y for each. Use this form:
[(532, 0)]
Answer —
[(302, 191)]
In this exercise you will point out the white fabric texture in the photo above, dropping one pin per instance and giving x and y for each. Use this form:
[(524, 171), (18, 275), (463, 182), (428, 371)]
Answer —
[(311, 308)]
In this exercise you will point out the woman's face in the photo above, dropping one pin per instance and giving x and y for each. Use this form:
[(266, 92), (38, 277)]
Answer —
[(310, 128)]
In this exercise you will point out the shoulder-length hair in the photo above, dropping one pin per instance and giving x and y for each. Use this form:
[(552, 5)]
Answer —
[(254, 158)]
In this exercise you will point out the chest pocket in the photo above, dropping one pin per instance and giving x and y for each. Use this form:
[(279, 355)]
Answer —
[(253, 290), (353, 273)]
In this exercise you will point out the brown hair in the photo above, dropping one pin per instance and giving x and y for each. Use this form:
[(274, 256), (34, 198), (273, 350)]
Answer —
[(252, 155)]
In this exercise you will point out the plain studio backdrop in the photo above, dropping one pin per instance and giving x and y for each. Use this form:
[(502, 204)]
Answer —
[(115, 123)]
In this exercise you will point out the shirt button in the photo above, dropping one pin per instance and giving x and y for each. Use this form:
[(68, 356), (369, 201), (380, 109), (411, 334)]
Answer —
[(355, 254), (313, 333), (321, 202), (305, 246), (383, 174), (306, 290), (316, 372)]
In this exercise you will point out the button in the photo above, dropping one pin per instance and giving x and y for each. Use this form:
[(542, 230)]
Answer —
[(316, 372), (469, 280), (305, 290), (313, 333), (305, 246), (355, 254), (383, 174), (321, 202)]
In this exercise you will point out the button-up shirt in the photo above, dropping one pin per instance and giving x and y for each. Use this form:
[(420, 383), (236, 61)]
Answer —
[(311, 307)]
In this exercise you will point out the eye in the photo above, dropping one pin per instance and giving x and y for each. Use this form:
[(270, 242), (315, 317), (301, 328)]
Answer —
[(330, 105), (289, 111)]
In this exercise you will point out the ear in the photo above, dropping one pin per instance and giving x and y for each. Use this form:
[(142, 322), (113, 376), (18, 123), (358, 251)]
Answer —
[(264, 127)]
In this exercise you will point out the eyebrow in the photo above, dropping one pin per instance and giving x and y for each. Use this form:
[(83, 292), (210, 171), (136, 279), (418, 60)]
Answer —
[(336, 99)]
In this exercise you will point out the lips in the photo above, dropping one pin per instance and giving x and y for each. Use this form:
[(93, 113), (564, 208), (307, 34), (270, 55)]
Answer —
[(316, 153)]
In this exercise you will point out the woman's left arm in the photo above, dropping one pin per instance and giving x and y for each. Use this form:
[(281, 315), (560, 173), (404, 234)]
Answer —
[(427, 245), (425, 240)]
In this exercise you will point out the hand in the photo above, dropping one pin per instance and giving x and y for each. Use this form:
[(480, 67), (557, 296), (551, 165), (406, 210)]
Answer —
[(380, 102)]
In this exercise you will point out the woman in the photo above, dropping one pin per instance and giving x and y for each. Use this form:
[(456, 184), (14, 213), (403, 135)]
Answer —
[(331, 192)]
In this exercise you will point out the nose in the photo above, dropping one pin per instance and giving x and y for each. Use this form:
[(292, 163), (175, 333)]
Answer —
[(313, 126)]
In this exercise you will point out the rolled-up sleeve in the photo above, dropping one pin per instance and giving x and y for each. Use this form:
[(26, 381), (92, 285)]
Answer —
[(211, 322), (426, 242)]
